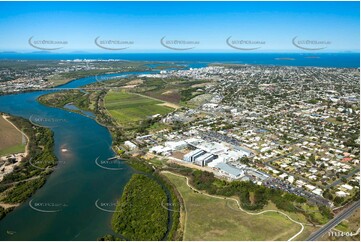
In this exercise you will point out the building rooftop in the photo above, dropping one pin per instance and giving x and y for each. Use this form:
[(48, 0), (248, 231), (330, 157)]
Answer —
[(229, 169)]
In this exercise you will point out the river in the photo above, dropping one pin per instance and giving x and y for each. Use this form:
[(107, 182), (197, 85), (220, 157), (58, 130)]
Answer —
[(64, 208)]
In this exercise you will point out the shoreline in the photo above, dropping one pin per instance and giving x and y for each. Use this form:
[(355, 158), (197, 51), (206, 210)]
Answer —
[(98, 57), (8, 169), (17, 181), (209, 63), (9, 205)]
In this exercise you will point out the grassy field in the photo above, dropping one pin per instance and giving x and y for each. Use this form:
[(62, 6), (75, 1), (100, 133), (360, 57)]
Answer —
[(10, 139), (173, 90), (210, 218), (58, 79), (128, 108)]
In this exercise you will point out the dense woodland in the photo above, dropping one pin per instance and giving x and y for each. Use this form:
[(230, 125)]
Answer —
[(139, 214), (31, 174), (59, 99)]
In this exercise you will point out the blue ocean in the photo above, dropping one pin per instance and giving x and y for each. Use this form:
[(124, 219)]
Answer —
[(341, 60)]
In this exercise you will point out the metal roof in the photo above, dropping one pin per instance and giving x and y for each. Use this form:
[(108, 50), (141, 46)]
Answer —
[(229, 169)]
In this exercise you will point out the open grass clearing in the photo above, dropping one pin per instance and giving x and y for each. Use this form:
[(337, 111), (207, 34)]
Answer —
[(10, 138), (209, 218), (128, 108)]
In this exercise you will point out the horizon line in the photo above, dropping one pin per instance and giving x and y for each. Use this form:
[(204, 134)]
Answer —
[(184, 52)]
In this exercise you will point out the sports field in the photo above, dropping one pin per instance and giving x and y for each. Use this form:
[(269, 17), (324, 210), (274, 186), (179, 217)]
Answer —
[(128, 108), (10, 138), (210, 218)]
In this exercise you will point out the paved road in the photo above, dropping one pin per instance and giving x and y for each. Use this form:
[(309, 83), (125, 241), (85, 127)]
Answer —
[(340, 180), (343, 215)]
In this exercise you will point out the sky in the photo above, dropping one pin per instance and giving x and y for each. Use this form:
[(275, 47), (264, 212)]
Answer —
[(205, 26)]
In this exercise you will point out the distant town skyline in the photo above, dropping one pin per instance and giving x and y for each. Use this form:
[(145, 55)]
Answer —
[(127, 27)]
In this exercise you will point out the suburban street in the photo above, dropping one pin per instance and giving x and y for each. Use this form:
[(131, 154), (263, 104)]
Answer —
[(335, 183)]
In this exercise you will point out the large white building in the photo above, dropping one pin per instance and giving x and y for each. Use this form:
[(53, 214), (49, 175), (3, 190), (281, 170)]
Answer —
[(191, 156), (230, 171), (204, 159), (341, 194), (176, 145), (130, 145)]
